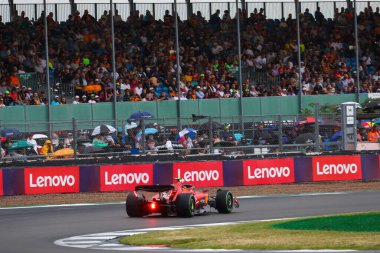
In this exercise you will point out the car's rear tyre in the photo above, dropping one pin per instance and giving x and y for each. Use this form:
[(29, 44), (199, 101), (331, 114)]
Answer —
[(164, 211), (134, 206), (224, 201), (185, 205)]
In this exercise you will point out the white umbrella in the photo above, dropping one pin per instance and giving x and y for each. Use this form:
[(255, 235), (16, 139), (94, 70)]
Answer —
[(39, 136), (103, 129), (130, 126)]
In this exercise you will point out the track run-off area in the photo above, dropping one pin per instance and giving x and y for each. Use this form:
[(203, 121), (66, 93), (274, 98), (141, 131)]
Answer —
[(42, 229)]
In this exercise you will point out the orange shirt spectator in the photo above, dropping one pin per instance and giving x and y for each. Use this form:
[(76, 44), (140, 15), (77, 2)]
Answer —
[(14, 80), (374, 134), (136, 98)]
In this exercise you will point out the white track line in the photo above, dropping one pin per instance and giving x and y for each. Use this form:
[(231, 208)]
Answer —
[(110, 240)]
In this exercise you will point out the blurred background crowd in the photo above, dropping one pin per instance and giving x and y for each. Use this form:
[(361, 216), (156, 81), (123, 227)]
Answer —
[(80, 56)]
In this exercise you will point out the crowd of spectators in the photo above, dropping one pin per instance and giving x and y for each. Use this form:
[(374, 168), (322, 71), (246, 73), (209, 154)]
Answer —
[(167, 140), (258, 138), (80, 55)]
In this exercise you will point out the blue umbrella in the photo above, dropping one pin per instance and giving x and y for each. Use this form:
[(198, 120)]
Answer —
[(140, 116), (190, 131), (10, 132), (147, 132)]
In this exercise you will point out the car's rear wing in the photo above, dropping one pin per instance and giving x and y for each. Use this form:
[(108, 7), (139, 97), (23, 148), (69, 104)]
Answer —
[(154, 188)]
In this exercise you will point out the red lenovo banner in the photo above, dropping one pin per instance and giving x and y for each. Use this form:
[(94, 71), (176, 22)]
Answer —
[(51, 180), (125, 177), (272, 171), (334, 168), (1, 183), (200, 174)]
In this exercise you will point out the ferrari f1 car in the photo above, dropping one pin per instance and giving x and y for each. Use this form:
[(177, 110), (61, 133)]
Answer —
[(177, 199)]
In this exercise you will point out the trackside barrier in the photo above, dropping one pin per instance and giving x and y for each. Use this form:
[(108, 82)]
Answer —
[(13, 181), (370, 167), (89, 178), (122, 177)]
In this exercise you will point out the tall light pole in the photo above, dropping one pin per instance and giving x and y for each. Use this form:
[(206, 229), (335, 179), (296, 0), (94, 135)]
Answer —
[(357, 53), (113, 64), (178, 65), (299, 56), (47, 69), (239, 60)]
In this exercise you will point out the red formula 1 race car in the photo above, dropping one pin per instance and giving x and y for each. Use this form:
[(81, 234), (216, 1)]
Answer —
[(177, 199)]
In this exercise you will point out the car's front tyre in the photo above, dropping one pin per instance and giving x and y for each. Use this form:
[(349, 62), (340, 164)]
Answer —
[(224, 201)]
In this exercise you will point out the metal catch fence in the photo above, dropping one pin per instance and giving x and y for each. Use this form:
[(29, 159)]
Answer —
[(252, 135)]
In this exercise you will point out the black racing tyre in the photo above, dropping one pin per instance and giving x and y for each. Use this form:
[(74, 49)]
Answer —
[(224, 201), (185, 205), (164, 211), (134, 206)]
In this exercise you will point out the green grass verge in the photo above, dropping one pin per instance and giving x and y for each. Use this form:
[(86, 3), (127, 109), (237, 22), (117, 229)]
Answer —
[(366, 222), (267, 235)]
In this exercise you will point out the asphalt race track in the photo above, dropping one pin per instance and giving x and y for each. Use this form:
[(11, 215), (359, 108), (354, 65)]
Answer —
[(34, 230)]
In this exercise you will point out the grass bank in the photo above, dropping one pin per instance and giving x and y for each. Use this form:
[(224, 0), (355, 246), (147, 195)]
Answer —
[(356, 231)]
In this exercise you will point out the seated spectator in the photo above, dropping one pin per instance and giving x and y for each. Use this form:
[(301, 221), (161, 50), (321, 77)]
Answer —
[(374, 134), (47, 148), (32, 141), (362, 134), (55, 141), (35, 100), (151, 144), (8, 100), (55, 101), (68, 140), (99, 141), (187, 143), (92, 99), (262, 136), (76, 100)]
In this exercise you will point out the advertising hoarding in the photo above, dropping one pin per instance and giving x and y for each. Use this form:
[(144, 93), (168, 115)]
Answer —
[(51, 180), (125, 177)]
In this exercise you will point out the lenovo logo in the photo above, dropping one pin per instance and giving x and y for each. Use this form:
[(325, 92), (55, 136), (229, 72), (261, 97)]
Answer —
[(203, 175), (271, 172), (51, 181), (336, 169), (333, 168), (200, 174), (126, 178)]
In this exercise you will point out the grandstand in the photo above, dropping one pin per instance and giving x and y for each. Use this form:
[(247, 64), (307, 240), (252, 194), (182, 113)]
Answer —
[(80, 52), (269, 60)]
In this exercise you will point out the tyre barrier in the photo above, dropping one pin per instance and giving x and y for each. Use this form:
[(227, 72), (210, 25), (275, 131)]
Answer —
[(123, 177)]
